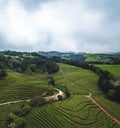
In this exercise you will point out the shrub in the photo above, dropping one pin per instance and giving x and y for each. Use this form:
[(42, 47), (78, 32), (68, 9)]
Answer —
[(59, 97), (3, 73), (24, 110)]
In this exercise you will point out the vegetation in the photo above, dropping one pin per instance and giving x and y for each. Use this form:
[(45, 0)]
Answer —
[(76, 111), (113, 69), (51, 80), (106, 80), (3, 73), (15, 121), (102, 58), (50, 67), (111, 58), (27, 78), (23, 86)]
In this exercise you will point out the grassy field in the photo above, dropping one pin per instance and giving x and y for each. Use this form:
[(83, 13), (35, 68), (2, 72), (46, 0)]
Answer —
[(114, 69), (77, 111), (74, 112), (20, 86), (77, 80), (5, 112), (97, 58)]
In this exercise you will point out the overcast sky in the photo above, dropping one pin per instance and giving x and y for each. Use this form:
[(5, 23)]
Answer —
[(61, 25)]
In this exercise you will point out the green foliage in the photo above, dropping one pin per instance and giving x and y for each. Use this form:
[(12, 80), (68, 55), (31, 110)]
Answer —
[(50, 67), (102, 58), (114, 69), (51, 81), (24, 111), (3, 73), (17, 123), (22, 62), (76, 111), (37, 102), (15, 120), (59, 97), (111, 94), (67, 93), (23, 86)]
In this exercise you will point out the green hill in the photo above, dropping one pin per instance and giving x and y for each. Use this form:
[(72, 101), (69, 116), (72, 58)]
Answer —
[(114, 69), (76, 111)]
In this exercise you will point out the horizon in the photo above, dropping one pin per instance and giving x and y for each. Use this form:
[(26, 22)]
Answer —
[(88, 26), (74, 52)]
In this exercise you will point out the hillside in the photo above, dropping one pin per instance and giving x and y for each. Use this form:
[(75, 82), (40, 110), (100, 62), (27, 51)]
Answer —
[(76, 111), (111, 58), (114, 69), (106, 58)]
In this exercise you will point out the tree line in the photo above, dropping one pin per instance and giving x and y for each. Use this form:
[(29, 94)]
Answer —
[(32, 62), (106, 80)]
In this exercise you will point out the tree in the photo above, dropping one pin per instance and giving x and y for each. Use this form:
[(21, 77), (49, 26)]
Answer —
[(67, 92), (59, 97), (3, 73), (19, 122), (50, 67), (111, 94), (51, 81), (24, 110)]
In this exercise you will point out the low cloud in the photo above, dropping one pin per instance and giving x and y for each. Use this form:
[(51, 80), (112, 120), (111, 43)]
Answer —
[(63, 25)]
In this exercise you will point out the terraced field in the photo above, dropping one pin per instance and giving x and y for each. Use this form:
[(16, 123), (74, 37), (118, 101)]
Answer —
[(74, 112), (19, 86), (77, 112), (22, 86)]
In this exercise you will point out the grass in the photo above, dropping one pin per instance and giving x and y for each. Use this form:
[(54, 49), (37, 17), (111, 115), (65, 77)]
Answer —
[(5, 112), (97, 58), (111, 106), (77, 80), (114, 69), (22, 86), (76, 111)]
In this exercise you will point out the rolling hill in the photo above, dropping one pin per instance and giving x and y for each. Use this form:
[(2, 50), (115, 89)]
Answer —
[(76, 111)]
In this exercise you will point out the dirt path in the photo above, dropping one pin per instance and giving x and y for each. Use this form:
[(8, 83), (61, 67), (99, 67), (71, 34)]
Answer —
[(18, 101), (55, 96), (104, 110), (11, 102)]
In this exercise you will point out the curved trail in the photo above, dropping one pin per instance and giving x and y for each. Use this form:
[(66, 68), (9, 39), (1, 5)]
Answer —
[(11, 102), (104, 110), (53, 97)]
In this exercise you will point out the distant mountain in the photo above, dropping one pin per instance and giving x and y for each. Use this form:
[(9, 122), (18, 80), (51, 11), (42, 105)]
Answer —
[(65, 55), (105, 58), (98, 58)]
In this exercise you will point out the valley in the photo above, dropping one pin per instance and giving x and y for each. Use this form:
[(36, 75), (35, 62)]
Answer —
[(75, 111)]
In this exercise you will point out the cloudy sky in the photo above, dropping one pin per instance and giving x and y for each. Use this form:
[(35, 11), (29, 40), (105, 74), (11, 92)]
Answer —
[(63, 25)]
